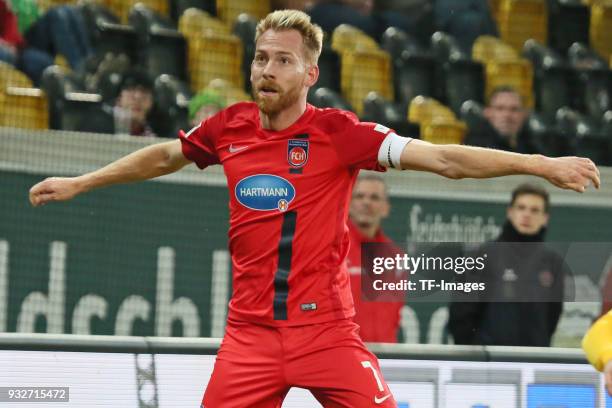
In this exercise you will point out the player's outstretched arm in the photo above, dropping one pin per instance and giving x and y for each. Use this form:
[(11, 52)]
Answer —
[(149, 162), (458, 161)]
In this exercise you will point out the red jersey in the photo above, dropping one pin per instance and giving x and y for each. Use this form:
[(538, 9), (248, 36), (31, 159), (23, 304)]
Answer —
[(289, 195), (378, 321)]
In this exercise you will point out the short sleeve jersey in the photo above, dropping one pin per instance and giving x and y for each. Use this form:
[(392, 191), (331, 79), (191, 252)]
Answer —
[(289, 196)]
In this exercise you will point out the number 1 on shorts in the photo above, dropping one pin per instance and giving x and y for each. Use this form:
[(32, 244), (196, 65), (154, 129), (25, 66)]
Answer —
[(367, 364)]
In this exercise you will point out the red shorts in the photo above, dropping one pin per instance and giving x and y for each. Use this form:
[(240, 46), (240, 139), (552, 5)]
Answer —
[(257, 365)]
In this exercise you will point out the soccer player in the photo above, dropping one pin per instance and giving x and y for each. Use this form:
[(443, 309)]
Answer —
[(290, 168)]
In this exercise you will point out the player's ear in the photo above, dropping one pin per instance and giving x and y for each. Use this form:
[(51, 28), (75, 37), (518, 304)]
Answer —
[(312, 75)]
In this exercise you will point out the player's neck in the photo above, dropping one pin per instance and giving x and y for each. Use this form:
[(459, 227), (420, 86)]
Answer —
[(283, 119), (367, 230)]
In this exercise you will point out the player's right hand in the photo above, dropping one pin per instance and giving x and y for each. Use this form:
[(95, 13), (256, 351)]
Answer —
[(54, 189)]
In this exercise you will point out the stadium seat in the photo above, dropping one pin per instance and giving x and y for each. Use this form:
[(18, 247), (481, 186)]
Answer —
[(520, 20), (503, 67), (213, 55), (413, 67), (459, 78), (23, 108), (178, 7), (194, 22), (568, 22), (546, 137), (56, 82), (85, 112), (377, 109), (327, 98), (162, 49), (487, 48), (9, 76), (229, 10), (122, 7), (423, 110), (44, 5), (244, 28), (171, 110), (552, 78), (229, 91), (471, 113), (600, 30), (586, 137), (347, 38), (580, 56), (329, 69), (443, 131), (364, 67)]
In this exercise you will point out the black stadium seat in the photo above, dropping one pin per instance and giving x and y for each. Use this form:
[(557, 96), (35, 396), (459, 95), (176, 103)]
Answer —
[(458, 77), (552, 78), (177, 7), (244, 28), (161, 48), (171, 112), (327, 98), (585, 134), (377, 109), (568, 22), (413, 67)]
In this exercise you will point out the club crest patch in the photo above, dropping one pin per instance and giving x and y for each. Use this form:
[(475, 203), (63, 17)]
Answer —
[(297, 152)]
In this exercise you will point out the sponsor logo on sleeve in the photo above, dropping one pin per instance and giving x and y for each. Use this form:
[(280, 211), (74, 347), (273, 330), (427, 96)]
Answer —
[(265, 192)]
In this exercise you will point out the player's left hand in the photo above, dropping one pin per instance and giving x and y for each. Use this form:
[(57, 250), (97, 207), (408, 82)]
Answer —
[(572, 173)]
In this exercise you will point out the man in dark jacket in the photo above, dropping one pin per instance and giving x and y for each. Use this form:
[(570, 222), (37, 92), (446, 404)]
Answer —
[(504, 125), (518, 267)]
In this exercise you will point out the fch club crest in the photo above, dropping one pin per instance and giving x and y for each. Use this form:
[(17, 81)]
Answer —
[(297, 153)]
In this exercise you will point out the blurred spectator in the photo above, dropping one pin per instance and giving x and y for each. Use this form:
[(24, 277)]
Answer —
[(523, 269), (27, 12), (15, 51), (466, 20), (204, 105), (415, 17), (329, 14), (378, 320), (133, 105), (61, 30), (504, 127)]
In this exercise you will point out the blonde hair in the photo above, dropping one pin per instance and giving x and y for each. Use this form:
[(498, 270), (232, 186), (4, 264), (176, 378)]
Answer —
[(281, 20)]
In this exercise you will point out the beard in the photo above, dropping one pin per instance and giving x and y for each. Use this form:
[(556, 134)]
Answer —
[(272, 105)]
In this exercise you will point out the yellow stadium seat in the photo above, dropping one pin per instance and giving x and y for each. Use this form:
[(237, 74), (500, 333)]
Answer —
[(494, 7), (213, 55), (517, 74), (23, 108), (444, 131), (423, 110), (520, 20), (364, 71), (348, 38), (195, 22), (228, 91), (44, 5), (9, 76), (122, 7), (487, 48), (228, 10), (600, 31)]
